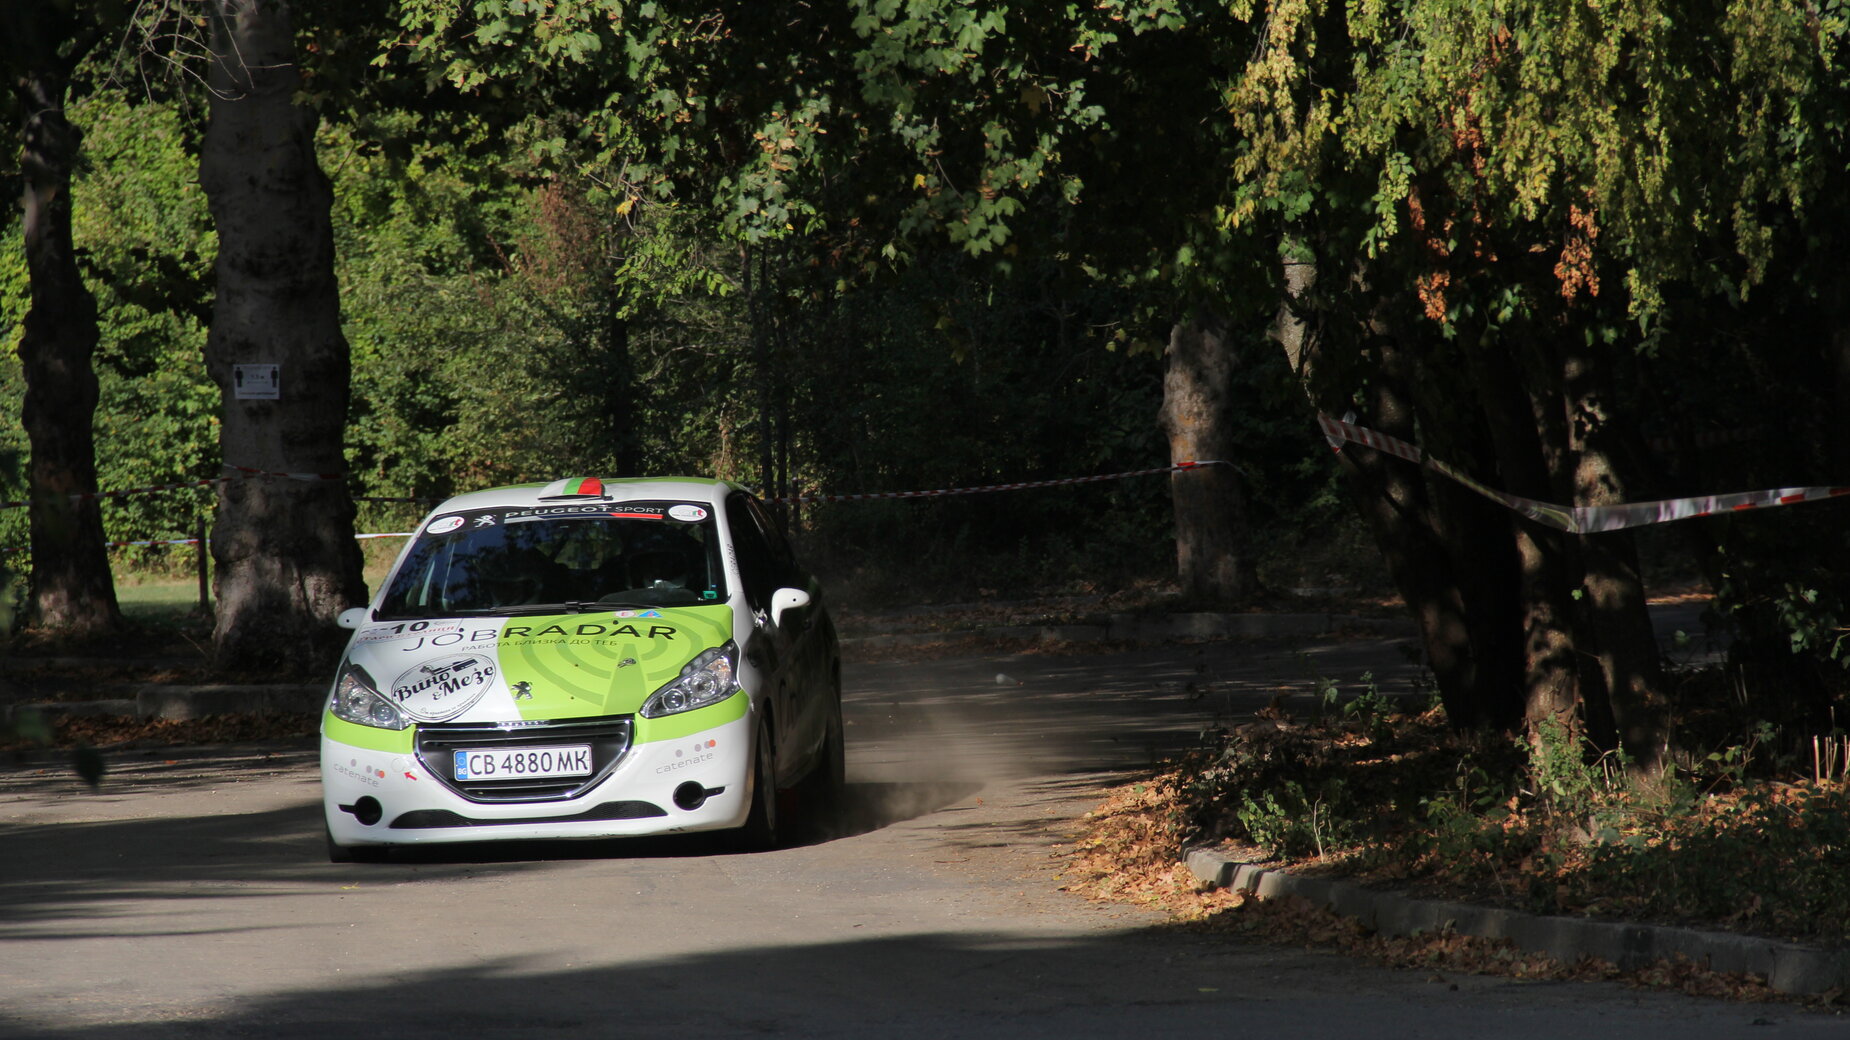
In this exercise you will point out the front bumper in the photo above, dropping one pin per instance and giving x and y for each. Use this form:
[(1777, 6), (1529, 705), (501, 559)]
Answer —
[(391, 797)]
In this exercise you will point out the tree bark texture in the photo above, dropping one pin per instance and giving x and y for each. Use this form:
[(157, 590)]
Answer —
[(71, 589), (286, 556), (1458, 615), (1214, 563), (1450, 558), (1615, 615), (1547, 567)]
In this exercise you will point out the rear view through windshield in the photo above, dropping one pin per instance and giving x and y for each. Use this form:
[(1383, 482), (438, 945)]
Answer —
[(507, 560)]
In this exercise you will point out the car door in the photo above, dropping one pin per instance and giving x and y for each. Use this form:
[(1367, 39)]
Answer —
[(811, 634), (776, 650)]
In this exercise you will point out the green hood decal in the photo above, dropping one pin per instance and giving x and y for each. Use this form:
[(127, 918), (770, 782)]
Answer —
[(603, 663)]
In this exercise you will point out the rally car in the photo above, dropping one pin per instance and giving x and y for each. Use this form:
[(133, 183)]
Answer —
[(583, 659)]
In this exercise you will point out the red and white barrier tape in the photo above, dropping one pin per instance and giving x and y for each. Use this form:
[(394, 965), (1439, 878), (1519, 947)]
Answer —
[(799, 499), (248, 472), (195, 541), (1582, 519), (243, 473)]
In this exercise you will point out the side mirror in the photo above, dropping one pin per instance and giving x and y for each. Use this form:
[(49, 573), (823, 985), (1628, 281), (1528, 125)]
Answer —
[(352, 617), (787, 599)]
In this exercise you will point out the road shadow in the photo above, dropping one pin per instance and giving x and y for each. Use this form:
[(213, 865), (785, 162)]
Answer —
[(859, 809), (62, 877), (1024, 985)]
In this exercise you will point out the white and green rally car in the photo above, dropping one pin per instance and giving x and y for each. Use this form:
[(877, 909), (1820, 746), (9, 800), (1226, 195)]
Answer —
[(582, 659)]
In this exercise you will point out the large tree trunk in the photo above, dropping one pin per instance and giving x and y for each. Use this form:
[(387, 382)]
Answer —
[(1213, 560), (287, 559), (1461, 619), (71, 590), (1615, 613), (1450, 555), (1547, 566)]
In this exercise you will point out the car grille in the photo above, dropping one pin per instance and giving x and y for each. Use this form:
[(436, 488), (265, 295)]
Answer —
[(428, 819), (609, 738)]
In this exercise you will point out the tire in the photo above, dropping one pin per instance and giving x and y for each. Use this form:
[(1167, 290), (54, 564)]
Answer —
[(822, 795), (760, 832)]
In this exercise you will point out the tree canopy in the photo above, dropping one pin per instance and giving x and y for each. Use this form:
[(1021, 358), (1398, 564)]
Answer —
[(1586, 254)]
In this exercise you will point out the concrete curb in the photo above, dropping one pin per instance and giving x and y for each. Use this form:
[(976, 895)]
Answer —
[(1789, 968), (1131, 628), (155, 701)]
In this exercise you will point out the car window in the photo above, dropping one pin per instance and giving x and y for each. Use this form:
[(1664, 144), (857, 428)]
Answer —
[(501, 560), (782, 558), (758, 564)]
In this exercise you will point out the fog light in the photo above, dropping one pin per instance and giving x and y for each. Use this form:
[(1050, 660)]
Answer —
[(368, 810), (690, 796)]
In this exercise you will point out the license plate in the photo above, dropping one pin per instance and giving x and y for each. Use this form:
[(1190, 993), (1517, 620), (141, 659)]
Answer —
[(523, 763)]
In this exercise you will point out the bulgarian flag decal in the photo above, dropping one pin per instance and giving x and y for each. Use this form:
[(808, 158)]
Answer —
[(575, 487)]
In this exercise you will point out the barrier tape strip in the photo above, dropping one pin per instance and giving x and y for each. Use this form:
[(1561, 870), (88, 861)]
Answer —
[(800, 499), (1581, 519), (195, 541), (246, 472), (88, 496), (243, 473)]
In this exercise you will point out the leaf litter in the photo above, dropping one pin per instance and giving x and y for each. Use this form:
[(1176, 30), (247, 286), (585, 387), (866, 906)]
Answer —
[(1540, 852)]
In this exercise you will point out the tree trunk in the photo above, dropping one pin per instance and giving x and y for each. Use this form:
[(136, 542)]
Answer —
[(1450, 558), (71, 589), (1546, 565), (1213, 561), (1615, 614), (1460, 617), (287, 560)]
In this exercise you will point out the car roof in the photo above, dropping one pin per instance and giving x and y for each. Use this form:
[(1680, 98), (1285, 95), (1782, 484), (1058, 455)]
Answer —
[(595, 489)]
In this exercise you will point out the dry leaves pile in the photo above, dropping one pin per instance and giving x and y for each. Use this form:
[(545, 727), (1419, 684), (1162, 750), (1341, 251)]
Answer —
[(1130, 852)]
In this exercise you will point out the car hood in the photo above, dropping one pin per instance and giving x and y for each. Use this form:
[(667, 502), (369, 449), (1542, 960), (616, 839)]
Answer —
[(533, 667)]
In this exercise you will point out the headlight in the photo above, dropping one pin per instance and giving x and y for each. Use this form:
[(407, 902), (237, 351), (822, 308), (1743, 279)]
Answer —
[(354, 700), (707, 679)]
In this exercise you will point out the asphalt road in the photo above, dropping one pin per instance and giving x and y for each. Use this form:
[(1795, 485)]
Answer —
[(191, 898)]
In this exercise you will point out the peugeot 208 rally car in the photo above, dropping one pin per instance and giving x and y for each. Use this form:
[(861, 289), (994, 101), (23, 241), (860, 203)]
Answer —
[(582, 659)]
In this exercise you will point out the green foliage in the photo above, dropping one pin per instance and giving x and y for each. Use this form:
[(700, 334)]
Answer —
[(144, 235), (14, 300), (480, 296), (145, 248), (1293, 823), (1545, 827)]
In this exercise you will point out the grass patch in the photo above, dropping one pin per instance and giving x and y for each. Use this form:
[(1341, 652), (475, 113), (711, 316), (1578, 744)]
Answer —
[(158, 600)]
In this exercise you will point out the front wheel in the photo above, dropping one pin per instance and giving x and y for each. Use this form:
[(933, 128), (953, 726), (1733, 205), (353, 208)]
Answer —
[(760, 831)]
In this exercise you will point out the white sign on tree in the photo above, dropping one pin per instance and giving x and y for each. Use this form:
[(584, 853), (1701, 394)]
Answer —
[(256, 382)]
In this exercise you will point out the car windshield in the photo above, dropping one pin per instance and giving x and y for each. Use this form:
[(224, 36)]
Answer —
[(564, 558)]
